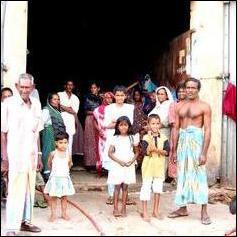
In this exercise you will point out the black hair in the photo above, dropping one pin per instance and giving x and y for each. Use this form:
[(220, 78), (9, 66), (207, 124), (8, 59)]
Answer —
[(180, 86), (120, 88), (151, 116), (130, 132), (193, 80), (61, 136), (51, 94), (139, 91), (123, 119), (91, 82), (69, 80), (6, 89)]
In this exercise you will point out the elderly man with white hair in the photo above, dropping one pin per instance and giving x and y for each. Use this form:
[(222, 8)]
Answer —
[(20, 125)]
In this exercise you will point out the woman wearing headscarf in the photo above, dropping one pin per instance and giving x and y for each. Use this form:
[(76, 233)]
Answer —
[(53, 124), (164, 99), (99, 118)]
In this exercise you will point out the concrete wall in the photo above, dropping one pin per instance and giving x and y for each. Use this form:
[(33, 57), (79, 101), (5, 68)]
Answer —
[(15, 41), (207, 65)]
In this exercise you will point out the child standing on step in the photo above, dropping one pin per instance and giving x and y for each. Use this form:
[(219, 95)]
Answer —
[(59, 184), (156, 147), (122, 170)]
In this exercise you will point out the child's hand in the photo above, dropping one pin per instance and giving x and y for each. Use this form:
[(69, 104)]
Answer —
[(161, 152), (122, 163), (129, 163), (151, 148)]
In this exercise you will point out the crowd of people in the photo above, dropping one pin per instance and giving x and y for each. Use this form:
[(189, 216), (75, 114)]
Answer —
[(163, 134)]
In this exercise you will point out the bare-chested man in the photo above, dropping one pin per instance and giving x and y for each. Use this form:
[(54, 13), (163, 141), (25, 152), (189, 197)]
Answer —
[(190, 148)]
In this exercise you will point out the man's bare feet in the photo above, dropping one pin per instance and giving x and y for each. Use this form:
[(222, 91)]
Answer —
[(65, 217), (52, 218), (159, 216), (145, 217), (116, 213)]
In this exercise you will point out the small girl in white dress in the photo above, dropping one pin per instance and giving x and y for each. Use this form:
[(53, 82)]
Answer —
[(123, 152), (59, 184)]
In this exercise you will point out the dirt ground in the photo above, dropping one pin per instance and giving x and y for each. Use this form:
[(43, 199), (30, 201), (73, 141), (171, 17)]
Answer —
[(93, 202)]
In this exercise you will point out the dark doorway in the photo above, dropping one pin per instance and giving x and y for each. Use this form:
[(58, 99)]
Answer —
[(104, 41)]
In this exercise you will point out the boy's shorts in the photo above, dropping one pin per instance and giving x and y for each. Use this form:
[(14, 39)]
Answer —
[(151, 184)]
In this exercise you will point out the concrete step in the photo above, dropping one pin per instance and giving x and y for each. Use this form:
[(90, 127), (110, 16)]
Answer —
[(90, 181)]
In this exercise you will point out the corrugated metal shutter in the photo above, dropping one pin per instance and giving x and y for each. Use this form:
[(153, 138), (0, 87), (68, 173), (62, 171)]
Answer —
[(228, 156)]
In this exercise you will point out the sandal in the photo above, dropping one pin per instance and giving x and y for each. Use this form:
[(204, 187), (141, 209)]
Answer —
[(41, 204), (176, 214), (206, 220), (130, 202), (110, 201)]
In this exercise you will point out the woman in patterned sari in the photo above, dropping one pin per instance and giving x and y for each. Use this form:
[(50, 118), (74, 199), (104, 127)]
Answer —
[(91, 136), (140, 118), (53, 124), (99, 118)]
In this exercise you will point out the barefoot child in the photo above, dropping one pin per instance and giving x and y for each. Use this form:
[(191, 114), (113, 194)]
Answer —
[(153, 166), (121, 152), (59, 184), (112, 113)]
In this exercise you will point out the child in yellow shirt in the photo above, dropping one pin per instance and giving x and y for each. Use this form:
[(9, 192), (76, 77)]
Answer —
[(153, 166)]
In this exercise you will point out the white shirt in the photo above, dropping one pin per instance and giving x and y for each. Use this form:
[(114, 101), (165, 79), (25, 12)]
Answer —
[(60, 166), (22, 125), (113, 112), (46, 117), (68, 118), (123, 151), (124, 146)]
